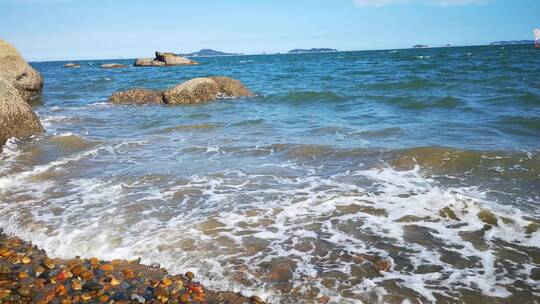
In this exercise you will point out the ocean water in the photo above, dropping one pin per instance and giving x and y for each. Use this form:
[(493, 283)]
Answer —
[(428, 159)]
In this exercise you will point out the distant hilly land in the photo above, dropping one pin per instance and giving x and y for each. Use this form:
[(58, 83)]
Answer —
[(512, 42), (313, 50), (210, 53)]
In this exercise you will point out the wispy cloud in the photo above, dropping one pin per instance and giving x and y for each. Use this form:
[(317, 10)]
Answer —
[(426, 2)]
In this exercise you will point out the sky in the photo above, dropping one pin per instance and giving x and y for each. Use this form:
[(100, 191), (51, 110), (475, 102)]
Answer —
[(101, 29)]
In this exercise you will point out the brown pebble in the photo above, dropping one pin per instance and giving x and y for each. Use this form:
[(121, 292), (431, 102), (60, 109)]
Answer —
[(103, 298), (86, 275), (22, 275), (76, 285), (114, 282), (86, 297), (24, 292), (382, 265), (48, 263), (26, 260), (167, 282), (256, 300), (189, 275), (106, 267)]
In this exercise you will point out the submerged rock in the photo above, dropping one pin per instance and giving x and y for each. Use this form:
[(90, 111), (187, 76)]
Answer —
[(164, 59), (137, 96), (16, 117), (112, 66), (194, 91), (19, 73), (72, 65)]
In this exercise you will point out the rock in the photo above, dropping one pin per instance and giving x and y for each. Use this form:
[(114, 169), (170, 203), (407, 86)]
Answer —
[(112, 66), (48, 263), (205, 89), (197, 90), (487, 217), (148, 62), (164, 59), (16, 117), (173, 59), (137, 96), (72, 65), (19, 73), (231, 88), (256, 300), (92, 286), (193, 91), (189, 275)]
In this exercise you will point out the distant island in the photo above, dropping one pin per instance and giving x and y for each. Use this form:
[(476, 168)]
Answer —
[(313, 50), (512, 42), (210, 53), (420, 46)]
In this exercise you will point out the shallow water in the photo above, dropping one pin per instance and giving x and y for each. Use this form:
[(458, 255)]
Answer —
[(428, 158)]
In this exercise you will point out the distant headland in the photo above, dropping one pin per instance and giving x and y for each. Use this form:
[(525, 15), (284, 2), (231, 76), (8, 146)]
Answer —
[(210, 53), (313, 50), (512, 42)]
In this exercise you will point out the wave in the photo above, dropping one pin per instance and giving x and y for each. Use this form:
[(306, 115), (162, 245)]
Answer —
[(300, 97), (272, 234), (410, 103)]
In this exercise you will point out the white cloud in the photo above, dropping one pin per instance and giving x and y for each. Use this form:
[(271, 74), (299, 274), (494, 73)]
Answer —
[(428, 2)]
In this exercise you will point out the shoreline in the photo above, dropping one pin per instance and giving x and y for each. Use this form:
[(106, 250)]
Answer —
[(28, 275)]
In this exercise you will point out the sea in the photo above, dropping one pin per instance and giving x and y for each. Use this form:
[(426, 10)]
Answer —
[(425, 159)]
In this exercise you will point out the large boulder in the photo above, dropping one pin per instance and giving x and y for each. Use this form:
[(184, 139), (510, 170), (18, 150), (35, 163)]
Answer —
[(194, 91), (164, 59), (16, 70), (16, 117), (137, 96), (173, 59)]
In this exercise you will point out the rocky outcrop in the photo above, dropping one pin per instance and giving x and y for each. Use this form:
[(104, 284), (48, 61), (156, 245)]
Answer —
[(72, 65), (173, 59), (16, 117), (112, 66), (164, 59), (137, 96), (148, 62), (194, 91), (19, 73)]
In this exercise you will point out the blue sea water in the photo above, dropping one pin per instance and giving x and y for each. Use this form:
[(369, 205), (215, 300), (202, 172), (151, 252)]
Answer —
[(425, 158)]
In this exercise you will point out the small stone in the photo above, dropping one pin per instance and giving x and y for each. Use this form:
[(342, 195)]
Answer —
[(24, 292), (167, 282), (189, 275), (66, 301), (106, 267), (487, 217), (532, 228), (22, 275), (4, 293), (103, 299), (114, 282), (76, 285), (92, 286), (86, 275), (448, 213), (60, 290), (179, 285), (256, 300), (86, 297), (77, 270), (195, 288), (382, 264), (94, 262), (26, 260), (128, 274), (48, 263)]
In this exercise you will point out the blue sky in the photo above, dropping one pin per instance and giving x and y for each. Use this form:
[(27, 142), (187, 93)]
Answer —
[(94, 29)]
